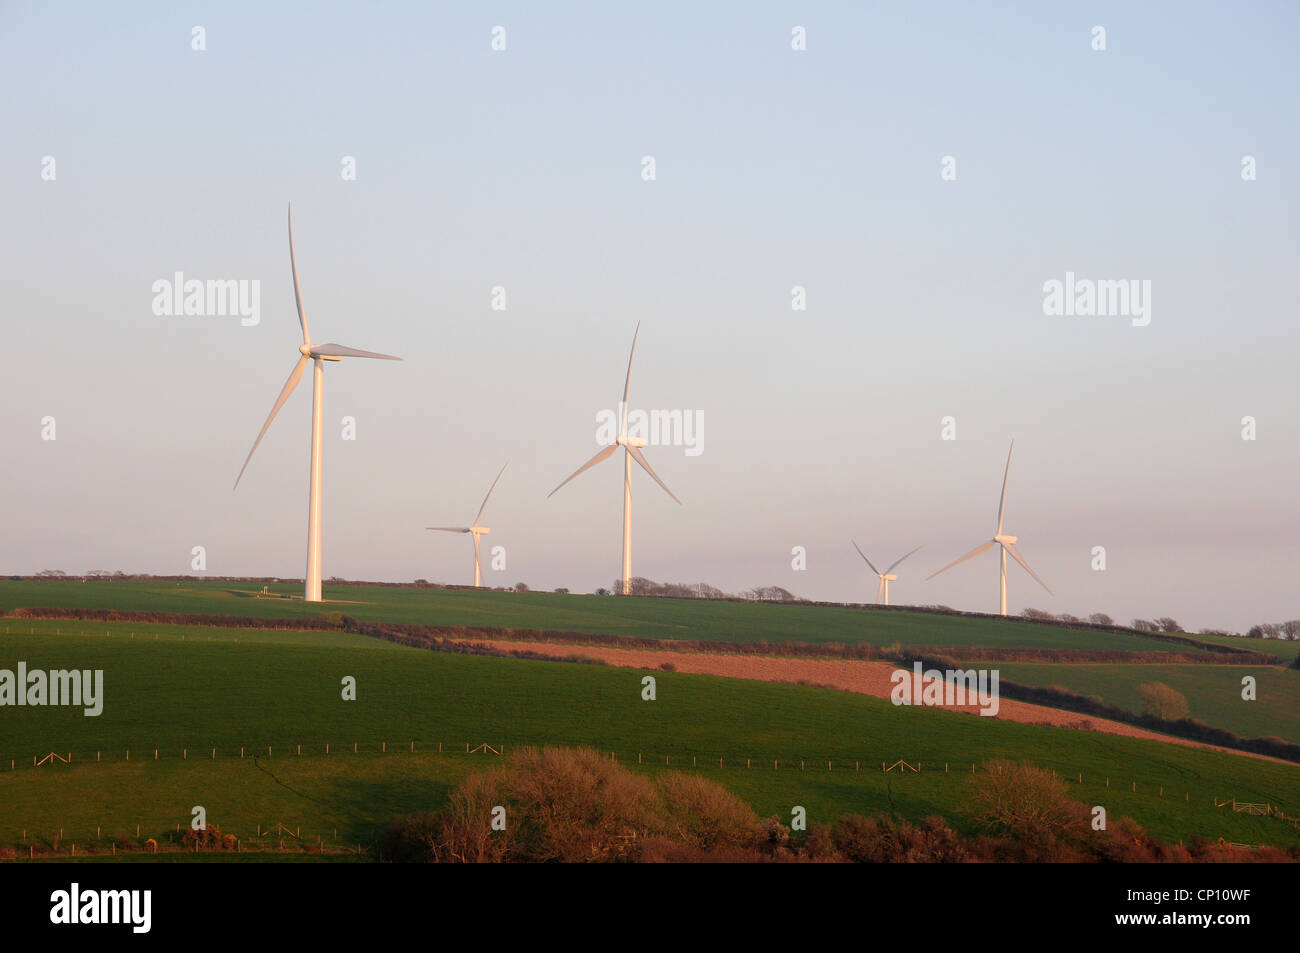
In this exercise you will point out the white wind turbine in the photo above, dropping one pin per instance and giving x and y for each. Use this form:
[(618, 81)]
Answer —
[(1008, 544), (632, 451), (882, 590), (318, 354), (475, 529)]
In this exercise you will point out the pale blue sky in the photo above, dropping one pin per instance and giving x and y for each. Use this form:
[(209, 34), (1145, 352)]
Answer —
[(521, 168)]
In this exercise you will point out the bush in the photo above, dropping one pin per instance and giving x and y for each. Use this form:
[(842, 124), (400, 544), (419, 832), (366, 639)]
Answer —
[(704, 814), (1030, 804), (411, 839), (881, 840), (561, 804), (1165, 703), (205, 838)]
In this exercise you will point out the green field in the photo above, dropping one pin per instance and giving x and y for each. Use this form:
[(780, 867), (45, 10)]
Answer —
[(1213, 691), (644, 618), (278, 690), (1284, 649)]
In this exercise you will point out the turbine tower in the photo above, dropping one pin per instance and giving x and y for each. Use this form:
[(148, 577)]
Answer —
[(318, 354), (882, 590), (475, 530), (1007, 544), (632, 451)]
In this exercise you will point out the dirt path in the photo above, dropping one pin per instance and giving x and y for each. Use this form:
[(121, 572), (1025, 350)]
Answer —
[(854, 675)]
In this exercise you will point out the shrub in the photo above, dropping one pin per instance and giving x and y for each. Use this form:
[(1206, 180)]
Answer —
[(411, 839), (1030, 804), (668, 667), (704, 814), (772, 832), (561, 804), (1165, 703), (882, 839)]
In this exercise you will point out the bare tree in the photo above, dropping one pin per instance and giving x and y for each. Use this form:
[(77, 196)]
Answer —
[(1100, 618), (1168, 625)]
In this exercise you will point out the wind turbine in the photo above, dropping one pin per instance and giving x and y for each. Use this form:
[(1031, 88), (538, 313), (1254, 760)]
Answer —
[(632, 451), (318, 354), (1008, 544), (475, 529), (882, 590)]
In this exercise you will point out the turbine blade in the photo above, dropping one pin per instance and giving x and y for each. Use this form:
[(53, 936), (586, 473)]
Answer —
[(880, 589), (971, 554), (586, 466), (899, 560), (1016, 556), (864, 556), (338, 350), (294, 376), (628, 382), (450, 529), (297, 294), (489, 494), (639, 458), (1003, 502)]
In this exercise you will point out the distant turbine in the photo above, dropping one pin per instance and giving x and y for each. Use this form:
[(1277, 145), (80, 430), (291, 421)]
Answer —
[(632, 451), (475, 529), (882, 590), (318, 354), (1008, 544)]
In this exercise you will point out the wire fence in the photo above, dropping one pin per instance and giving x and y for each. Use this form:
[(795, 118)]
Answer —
[(311, 838)]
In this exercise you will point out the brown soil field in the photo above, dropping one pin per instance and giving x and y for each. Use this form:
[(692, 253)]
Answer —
[(865, 677)]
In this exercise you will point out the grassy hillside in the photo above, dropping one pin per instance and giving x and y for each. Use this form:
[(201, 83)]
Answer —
[(645, 618), (1213, 691), (1285, 649), (279, 689)]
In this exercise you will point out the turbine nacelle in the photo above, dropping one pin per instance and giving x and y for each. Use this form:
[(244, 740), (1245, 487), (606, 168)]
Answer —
[(889, 577), (637, 442), (478, 530), (1005, 540)]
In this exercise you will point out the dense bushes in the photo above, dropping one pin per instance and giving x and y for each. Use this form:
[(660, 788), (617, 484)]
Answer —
[(575, 805)]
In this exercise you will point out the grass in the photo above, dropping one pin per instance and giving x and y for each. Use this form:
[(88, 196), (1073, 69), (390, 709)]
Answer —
[(281, 689), (1213, 691), (1285, 649), (645, 618)]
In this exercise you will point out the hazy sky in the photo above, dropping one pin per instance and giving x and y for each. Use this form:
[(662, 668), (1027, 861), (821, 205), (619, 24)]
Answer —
[(522, 168)]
